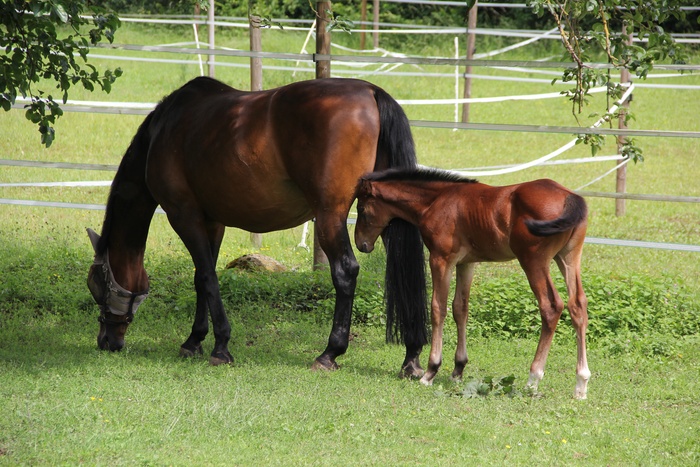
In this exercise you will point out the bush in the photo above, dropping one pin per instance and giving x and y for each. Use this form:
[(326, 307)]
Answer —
[(630, 306), (505, 307)]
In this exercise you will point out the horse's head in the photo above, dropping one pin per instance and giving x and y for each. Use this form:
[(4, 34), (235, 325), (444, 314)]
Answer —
[(371, 218), (117, 305)]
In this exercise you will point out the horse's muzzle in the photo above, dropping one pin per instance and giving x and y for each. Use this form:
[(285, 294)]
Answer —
[(112, 331), (365, 247)]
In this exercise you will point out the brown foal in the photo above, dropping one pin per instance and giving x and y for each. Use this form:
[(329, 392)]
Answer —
[(463, 223)]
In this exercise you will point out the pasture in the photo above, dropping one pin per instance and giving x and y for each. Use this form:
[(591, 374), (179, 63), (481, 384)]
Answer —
[(65, 402)]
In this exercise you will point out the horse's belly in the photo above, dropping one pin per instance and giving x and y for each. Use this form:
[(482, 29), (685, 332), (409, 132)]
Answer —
[(263, 215)]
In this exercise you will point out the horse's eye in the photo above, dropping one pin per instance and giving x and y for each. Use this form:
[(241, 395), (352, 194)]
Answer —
[(360, 209)]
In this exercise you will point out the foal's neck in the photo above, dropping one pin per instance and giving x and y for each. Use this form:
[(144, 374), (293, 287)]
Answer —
[(409, 200)]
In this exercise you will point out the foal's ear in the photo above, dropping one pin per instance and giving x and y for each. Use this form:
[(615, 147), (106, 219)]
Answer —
[(364, 188)]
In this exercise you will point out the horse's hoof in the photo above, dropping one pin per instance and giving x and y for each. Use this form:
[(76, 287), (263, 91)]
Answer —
[(324, 364), (220, 358), (189, 353), (425, 381), (411, 372)]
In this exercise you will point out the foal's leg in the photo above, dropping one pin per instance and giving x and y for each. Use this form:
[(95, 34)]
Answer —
[(442, 274), (570, 266), (551, 307), (335, 241), (460, 313)]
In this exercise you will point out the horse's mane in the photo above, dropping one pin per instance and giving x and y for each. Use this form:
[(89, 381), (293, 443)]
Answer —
[(418, 174), (131, 170)]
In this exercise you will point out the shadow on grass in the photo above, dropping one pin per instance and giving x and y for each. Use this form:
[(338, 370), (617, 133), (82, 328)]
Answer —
[(34, 344)]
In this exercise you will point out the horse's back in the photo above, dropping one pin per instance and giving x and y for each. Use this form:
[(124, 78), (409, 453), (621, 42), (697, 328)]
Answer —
[(263, 160), (327, 131)]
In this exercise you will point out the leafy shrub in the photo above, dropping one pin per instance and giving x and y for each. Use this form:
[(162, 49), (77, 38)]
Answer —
[(622, 307), (630, 306)]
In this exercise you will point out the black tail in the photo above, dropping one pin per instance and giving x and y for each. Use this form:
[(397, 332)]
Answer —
[(405, 294), (575, 212), (130, 202)]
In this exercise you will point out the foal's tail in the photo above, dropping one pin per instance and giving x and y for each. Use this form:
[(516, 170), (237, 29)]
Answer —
[(405, 294), (575, 212)]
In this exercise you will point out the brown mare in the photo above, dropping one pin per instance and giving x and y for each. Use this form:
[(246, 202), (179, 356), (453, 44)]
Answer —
[(464, 222), (212, 156)]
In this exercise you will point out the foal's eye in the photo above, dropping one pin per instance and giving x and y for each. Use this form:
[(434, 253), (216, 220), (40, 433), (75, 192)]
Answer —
[(360, 209)]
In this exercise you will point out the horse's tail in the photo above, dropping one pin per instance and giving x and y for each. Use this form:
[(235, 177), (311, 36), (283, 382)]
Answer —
[(405, 295), (575, 212), (130, 201)]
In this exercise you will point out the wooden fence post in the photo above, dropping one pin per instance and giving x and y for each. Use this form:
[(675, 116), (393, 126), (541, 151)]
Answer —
[(363, 20), (375, 22), (210, 23), (621, 175), (471, 40), (255, 85), (323, 70)]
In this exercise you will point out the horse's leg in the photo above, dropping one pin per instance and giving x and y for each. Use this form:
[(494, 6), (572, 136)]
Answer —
[(570, 266), (200, 327), (551, 307), (196, 234), (442, 274), (460, 313), (335, 242)]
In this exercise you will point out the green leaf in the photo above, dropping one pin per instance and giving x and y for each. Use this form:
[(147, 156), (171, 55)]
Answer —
[(60, 13)]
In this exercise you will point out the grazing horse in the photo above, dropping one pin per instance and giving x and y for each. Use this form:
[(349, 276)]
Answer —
[(212, 156), (464, 222)]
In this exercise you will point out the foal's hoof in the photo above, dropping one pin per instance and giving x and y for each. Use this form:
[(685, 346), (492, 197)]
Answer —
[(188, 353), (324, 364), (425, 381), (220, 358)]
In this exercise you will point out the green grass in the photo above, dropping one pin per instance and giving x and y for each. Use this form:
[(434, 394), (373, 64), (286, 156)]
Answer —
[(64, 402)]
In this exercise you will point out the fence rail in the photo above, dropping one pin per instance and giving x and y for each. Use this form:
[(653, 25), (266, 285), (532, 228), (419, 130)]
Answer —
[(145, 108)]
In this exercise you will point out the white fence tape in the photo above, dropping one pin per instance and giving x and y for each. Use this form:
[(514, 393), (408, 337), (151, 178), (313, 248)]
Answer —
[(551, 155), (593, 240)]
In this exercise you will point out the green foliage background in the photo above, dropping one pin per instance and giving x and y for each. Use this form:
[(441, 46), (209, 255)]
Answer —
[(390, 12)]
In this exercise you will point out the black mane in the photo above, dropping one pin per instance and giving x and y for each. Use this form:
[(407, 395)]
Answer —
[(417, 174)]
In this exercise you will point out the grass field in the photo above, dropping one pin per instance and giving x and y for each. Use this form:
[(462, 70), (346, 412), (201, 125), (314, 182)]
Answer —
[(66, 403)]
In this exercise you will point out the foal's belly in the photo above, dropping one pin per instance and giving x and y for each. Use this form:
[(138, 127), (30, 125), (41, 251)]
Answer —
[(479, 252)]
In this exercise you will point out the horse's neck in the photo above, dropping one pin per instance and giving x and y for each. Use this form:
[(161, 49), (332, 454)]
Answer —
[(125, 239), (126, 261)]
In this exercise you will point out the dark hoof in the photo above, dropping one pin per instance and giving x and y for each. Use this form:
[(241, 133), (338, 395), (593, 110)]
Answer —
[(411, 371), (188, 353), (220, 358), (324, 364), (458, 372)]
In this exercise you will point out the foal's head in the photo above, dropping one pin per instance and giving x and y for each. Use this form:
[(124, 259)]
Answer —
[(371, 218)]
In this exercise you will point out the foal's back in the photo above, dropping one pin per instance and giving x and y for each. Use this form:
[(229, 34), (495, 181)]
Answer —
[(485, 223)]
